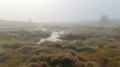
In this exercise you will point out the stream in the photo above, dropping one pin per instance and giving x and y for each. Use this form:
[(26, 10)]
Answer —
[(54, 37)]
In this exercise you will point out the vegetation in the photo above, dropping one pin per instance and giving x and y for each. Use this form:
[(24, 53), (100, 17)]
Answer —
[(81, 47)]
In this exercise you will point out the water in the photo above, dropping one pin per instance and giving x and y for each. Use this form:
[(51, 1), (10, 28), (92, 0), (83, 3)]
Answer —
[(54, 37), (43, 29)]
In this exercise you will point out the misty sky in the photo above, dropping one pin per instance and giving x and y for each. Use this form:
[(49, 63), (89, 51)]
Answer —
[(58, 10)]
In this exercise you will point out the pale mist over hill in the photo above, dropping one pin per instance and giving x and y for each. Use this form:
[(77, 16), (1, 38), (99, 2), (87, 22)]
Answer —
[(58, 10), (31, 14)]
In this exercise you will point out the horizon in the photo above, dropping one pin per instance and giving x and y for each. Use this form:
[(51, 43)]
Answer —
[(58, 11)]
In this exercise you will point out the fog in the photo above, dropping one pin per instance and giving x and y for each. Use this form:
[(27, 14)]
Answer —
[(58, 10)]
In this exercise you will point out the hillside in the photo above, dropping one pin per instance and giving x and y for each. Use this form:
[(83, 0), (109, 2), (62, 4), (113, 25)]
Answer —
[(16, 25)]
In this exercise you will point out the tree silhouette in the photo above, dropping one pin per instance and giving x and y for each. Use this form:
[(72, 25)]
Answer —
[(104, 19)]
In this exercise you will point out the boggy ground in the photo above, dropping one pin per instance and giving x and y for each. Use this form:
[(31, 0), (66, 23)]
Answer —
[(93, 47)]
